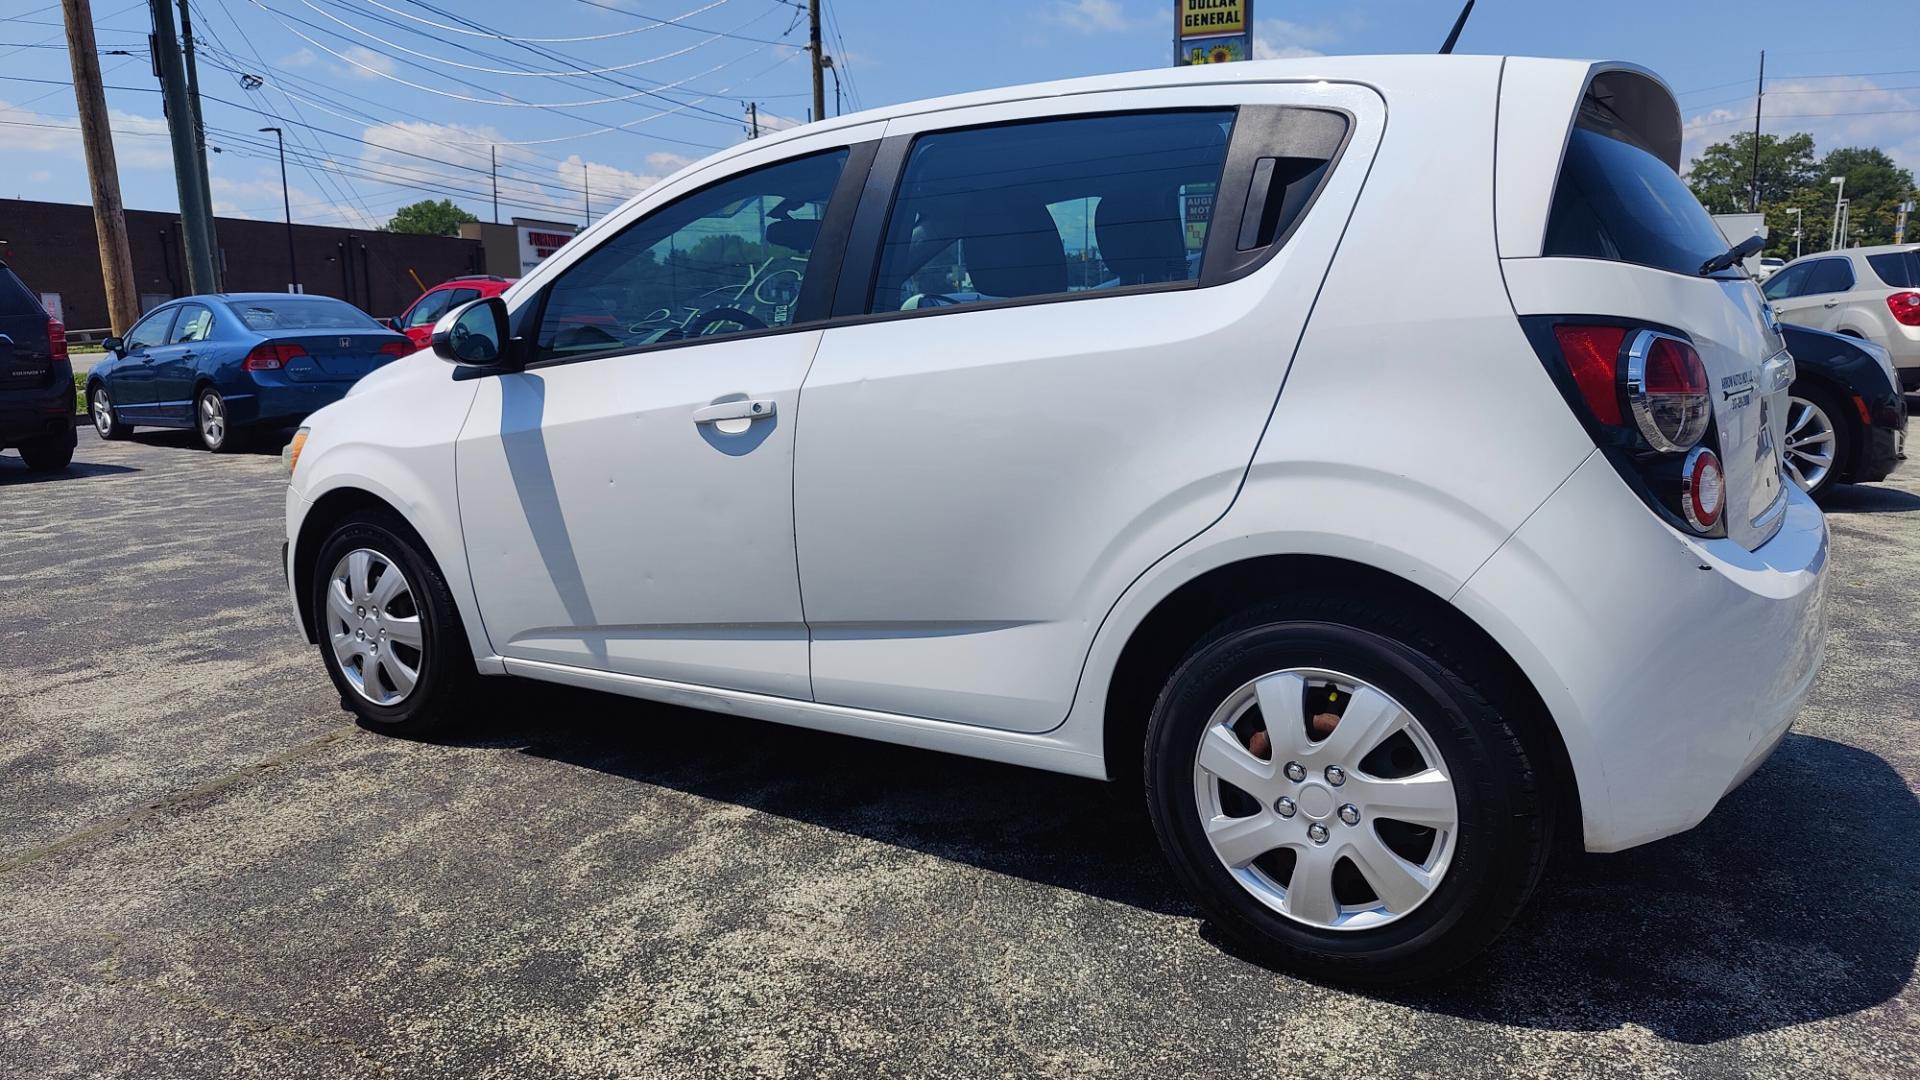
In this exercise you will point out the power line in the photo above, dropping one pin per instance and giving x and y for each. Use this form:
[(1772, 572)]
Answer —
[(554, 40)]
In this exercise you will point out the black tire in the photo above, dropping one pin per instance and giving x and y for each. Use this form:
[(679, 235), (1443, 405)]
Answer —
[(49, 453), (1846, 434), (447, 678), (1505, 821), (114, 429), (225, 436)]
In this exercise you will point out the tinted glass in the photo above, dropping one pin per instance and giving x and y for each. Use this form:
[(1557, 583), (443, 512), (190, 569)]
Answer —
[(1787, 282), (1060, 206), (15, 297), (150, 331), (194, 324), (301, 313), (1828, 276), (1899, 269), (1618, 202), (456, 297), (730, 258), (429, 308)]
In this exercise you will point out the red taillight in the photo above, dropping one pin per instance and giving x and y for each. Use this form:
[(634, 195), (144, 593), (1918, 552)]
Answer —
[(1905, 307), (396, 348), (56, 339), (1593, 357), (1703, 492), (1668, 392), (272, 356)]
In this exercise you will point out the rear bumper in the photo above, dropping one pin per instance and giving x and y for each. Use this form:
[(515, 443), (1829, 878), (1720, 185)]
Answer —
[(1883, 440), (1671, 666), (39, 411), (277, 400)]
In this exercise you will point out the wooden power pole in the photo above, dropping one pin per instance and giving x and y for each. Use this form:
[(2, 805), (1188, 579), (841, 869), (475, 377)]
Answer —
[(109, 217), (819, 60)]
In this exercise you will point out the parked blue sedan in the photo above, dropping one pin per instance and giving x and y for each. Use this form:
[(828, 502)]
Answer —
[(225, 363)]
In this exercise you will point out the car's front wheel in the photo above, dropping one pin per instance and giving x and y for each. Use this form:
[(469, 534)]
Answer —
[(1335, 783), (388, 629), (106, 420)]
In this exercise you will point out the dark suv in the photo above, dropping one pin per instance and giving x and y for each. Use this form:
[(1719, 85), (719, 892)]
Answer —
[(36, 380)]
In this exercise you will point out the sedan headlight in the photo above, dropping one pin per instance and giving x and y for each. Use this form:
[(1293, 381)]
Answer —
[(290, 453)]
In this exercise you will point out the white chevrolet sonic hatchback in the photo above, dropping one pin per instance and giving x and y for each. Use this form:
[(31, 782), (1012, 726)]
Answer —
[(1364, 456)]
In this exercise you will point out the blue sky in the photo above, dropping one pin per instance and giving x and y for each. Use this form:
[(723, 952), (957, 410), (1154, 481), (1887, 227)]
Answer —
[(671, 77)]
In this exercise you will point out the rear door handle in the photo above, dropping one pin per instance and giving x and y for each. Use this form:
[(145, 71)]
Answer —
[(1831, 303), (733, 410)]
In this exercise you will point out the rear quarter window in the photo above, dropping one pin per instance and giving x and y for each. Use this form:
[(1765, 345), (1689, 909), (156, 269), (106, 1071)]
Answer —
[(1899, 269), (1617, 201), (16, 298)]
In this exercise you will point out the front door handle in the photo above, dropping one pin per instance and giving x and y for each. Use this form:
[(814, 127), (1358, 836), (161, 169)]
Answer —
[(1831, 303), (733, 410)]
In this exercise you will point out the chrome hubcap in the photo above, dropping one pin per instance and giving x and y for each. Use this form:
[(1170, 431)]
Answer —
[(102, 412), (373, 625), (1809, 450), (213, 419), (1348, 821)]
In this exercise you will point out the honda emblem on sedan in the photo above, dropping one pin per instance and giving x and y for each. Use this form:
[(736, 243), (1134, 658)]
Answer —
[(346, 342)]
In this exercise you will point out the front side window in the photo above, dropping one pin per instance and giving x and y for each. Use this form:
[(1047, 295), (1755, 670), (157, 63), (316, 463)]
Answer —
[(727, 259), (194, 324), (1787, 283), (150, 332), (429, 308), (1829, 276), (1056, 206)]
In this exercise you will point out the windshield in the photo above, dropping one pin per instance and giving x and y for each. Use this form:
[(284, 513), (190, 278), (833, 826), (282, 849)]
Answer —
[(301, 313), (1618, 202)]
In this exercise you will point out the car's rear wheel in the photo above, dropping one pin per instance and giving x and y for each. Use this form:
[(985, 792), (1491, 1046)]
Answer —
[(1340, 791), (1817, 439), (388, 629), (106, 420), (211, 421), (49, 453)]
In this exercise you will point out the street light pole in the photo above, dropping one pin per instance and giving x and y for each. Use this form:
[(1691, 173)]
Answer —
[(1795, 211), (286, 200), (1833, 238)]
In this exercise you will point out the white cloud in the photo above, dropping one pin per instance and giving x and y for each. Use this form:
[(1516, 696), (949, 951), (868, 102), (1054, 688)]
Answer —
[(666, 162), (139, 142), (364, 59), (299, 58), (259, 199), (1093, 16), (1853, 111), (40, 176), (1279, 39)]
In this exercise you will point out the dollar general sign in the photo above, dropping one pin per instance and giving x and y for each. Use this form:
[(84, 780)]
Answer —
[(1212, 18)]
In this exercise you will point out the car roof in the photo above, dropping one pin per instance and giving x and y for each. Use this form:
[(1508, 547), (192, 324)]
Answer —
[(1877, 249)]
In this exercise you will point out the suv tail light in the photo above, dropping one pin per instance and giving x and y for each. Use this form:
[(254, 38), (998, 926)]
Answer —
[(1905, 307), (1645, 395), (272, 356), (56, 339)]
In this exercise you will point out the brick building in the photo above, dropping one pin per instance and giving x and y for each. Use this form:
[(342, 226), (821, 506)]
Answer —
[(53, 248)]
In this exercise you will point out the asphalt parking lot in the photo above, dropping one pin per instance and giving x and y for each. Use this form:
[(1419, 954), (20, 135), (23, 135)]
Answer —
[(206, 870)]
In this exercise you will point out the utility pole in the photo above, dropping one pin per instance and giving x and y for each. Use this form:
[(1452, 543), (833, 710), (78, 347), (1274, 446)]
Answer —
[(103, 174), (1759, 95), (200, 138), (753, 119), (195, 217), (286, 199), (819, 60), (493, 157)]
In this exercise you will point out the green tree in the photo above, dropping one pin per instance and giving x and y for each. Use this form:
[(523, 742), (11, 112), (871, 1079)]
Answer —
[(1722, 176), (1875, 189), (430, 218)]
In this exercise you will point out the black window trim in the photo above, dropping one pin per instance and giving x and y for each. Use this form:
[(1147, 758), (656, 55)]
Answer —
[(1259, 130), (812, 309)]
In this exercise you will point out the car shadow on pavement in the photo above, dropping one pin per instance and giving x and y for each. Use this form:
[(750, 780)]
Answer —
[(1869, 499), (261, 443), (1794, 901), (14, 471)]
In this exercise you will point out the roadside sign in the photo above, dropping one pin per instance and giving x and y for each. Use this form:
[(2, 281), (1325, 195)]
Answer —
[(1212, 31)]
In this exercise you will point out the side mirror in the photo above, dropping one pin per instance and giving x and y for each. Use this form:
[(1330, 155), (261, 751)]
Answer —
[(394, 325), (113, 345), (474, 334)]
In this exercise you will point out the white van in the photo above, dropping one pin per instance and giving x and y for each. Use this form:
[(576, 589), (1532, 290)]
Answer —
[(1352, 453)]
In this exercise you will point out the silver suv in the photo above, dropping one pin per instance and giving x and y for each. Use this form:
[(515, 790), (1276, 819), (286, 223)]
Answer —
[(1869, 292)]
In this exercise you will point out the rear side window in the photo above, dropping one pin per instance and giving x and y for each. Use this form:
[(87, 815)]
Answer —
[(1057, 206), (193, 324), (1899, 269), (16, 298), (1828, 276), (1616, 201)]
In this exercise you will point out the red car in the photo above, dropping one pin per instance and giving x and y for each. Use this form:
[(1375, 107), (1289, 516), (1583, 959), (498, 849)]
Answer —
[(418, 322)]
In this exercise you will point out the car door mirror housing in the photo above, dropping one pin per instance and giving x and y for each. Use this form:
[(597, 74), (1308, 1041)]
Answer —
[(474, 334), (114, 345)]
